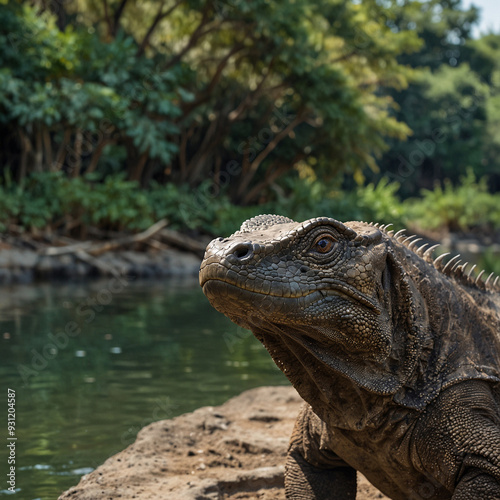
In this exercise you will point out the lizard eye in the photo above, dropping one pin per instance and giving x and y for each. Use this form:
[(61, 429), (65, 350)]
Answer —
[(323, 244)]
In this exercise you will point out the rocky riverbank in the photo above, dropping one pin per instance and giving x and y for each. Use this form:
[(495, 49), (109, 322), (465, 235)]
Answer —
[(234, 451), (157, 252), (25, 266)]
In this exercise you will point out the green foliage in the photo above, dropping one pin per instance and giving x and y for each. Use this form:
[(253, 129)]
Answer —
[(380, 203), (454, 121), (47, 200), (115, 203), (51, 200), (466, 206), (451, 106), (184, 207), (484, 55), (490, 262), (187, 85), (219, 103), (32, 204), (307, 198), (53, 81)]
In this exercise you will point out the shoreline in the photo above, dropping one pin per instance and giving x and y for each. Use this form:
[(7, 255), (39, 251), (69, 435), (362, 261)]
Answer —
[(233, 451), (167, 254), (24, 266)]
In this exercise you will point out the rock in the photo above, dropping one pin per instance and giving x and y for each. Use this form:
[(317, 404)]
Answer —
[(116, 262), (5, 276), (234, 451), (45, 265), (167, 263), (138, 259), (48, 267), (18, 265), (25, 259), (182, 264), (23, 276), (82, 269)]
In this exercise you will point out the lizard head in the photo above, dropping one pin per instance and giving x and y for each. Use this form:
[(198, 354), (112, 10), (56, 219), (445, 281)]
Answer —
[(319, 288)]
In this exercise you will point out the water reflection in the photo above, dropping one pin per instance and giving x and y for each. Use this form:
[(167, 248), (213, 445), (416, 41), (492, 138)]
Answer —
[(93, 363)]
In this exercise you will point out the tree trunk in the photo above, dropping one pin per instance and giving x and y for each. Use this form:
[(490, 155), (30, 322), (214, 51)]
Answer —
[(117, 16), (96, 155), (38, 166), (195, 166), (47, 146), (137, 169), (75, 171), (25, 151), (252, 169)]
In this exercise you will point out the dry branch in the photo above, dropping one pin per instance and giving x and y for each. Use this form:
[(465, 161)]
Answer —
[(105, 268), (95, 249), (182, 241), (87, 250)]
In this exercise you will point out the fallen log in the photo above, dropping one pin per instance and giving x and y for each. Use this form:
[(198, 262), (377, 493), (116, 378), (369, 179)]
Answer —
[(105, 268), (96, 249), (182, 241)]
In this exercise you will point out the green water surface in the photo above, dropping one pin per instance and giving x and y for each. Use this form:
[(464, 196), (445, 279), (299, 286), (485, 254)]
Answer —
[(93, 363)]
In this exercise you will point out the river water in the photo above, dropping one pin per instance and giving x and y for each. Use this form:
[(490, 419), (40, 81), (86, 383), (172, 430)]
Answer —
[(93, 363)]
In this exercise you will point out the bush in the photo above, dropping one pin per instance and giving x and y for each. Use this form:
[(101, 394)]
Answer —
[(197, 84), (33, 204), (51, 201), (55, 202), (114, 204), (464, 207), (311, 198)]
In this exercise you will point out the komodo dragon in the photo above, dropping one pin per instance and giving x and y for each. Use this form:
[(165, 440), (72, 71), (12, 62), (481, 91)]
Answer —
[(396, 356)]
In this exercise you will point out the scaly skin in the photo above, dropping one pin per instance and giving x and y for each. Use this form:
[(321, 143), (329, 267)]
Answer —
[(398, 359)]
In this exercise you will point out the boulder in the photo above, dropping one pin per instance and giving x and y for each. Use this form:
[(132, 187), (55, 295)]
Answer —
[(233, 451)]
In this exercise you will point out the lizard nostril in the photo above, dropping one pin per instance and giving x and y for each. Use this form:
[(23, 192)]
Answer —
[(242, 250)]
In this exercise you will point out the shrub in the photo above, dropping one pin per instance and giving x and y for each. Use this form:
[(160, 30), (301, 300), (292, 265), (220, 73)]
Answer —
[(464, 207), (53, 201)]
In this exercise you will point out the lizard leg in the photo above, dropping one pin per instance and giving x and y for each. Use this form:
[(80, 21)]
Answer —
[(304, 481), (458, 441), (475, 485), (314, 473)]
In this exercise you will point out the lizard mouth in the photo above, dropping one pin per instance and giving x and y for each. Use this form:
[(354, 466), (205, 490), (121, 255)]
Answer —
[(333, 288)]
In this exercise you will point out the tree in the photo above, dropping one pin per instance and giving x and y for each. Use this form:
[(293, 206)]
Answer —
[(67, 96), (449, 105), (484, 59), (236, 91)]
